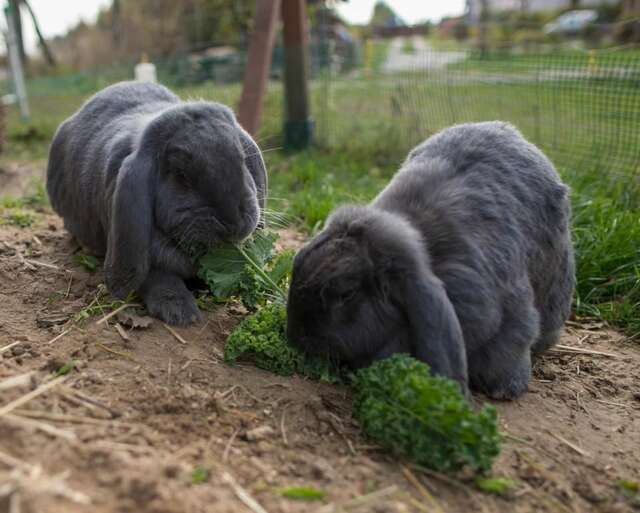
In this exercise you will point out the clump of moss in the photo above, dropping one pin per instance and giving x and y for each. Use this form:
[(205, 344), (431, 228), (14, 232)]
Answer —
[(261, 339), (426, 418)]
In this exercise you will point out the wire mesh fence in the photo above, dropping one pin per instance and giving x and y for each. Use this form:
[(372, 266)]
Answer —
[(581, 106)]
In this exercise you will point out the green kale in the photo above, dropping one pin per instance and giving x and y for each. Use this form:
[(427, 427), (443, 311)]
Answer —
[(426, 418), (89, 262), (261, 339), (251, 272)]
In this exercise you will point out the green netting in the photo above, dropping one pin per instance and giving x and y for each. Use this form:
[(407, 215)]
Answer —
[(580, 106)]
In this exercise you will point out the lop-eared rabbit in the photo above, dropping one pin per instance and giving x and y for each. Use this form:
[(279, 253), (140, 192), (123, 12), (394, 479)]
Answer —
[(464, 261), (142, 177)]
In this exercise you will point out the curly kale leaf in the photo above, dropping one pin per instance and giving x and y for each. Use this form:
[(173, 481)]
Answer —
[(426, 418), (261, 339)]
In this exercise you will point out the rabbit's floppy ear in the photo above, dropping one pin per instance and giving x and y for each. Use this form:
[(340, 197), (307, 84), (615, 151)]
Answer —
[(255, 164), (436, 333), (131, 219)]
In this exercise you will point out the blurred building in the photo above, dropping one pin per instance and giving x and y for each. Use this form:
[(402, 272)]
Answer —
[(332, 43), (474, 7), (630, 8)]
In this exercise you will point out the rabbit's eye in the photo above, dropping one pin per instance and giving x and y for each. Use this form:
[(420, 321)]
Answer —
[(346, 296)]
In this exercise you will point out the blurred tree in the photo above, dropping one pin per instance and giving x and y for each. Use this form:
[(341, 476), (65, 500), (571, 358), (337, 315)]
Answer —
[(159, 28), (115, 23), (384, 16), (41, 40)]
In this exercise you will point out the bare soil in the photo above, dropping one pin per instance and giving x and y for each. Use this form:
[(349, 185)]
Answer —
[(155, 424)]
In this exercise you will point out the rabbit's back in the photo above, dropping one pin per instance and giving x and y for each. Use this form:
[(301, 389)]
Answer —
[(492, 209), (89, 146)]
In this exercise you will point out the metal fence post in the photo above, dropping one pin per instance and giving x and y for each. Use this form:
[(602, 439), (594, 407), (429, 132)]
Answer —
[(298, 130), (15, 62)]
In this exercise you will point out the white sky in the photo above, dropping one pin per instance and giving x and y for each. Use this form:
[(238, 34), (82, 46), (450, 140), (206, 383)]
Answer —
[(57, 16), (411, 11)]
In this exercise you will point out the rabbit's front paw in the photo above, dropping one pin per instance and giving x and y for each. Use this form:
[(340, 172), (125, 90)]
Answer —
[(168, 299), (508, 389), (502, 379), (176, 309)]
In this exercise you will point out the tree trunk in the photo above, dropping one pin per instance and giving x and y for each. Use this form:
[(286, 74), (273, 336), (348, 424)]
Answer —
[(115, 24), (43, 43), (483, 44)]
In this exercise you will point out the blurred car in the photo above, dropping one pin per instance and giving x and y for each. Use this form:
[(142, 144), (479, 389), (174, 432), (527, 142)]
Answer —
[(572, 22)]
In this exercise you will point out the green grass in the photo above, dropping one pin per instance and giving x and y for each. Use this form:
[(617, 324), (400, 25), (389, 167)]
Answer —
[(17, 217), (608, 260), (311, 184), (303, 493), (408, 46), (199, 475), (65, 369), (448, 44), (89, 262), (495, 485), (515, 62), (35, 198), (376, 53)]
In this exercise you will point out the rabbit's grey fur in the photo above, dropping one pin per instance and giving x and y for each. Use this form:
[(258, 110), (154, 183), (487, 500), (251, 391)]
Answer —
[(464, 260), (140, 176)]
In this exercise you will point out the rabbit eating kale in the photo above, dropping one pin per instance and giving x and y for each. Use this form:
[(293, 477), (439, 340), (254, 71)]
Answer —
[(464, 261), (142, 177)]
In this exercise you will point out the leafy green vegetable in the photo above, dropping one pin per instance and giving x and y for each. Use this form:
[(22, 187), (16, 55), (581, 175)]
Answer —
[(424, 417), (398, 403), (199, 475), (629, 488), (251, 271), (65, 369), (261, 338), (303, 493), (90, 263), (495, 485)]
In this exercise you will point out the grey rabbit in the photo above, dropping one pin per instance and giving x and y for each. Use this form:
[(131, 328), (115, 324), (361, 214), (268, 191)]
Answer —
[(464, 260), (141, 177)]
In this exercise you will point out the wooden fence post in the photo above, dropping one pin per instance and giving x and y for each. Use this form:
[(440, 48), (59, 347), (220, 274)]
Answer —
[(298, 130), (256, 73)]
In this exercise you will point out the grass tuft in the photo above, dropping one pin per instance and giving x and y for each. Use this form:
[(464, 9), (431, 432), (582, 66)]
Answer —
[(303, 493), (199, 475)]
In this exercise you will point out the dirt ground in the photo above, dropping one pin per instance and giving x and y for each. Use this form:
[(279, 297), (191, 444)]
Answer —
[(146, 422)]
